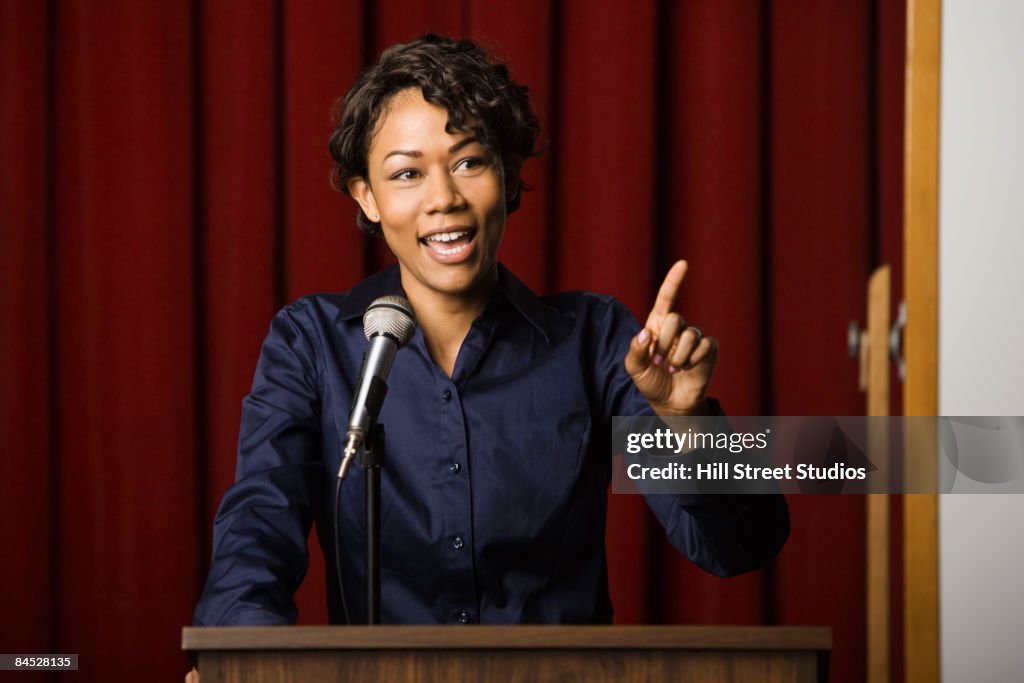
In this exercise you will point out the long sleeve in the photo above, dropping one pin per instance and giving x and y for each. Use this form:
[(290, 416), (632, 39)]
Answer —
[(726, 534), (260, 531), (723, 534)]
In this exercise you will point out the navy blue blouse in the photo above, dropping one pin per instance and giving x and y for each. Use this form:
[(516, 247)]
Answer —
[(494, 493)]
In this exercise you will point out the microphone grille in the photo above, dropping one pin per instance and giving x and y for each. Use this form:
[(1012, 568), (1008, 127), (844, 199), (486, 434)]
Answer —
[(391, 316)]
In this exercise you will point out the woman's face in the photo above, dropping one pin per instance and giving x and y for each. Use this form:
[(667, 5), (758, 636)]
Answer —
[(439, 197)]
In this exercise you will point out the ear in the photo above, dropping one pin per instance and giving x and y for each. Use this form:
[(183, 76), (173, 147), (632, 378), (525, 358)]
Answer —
[(512, 167), (361, 191)]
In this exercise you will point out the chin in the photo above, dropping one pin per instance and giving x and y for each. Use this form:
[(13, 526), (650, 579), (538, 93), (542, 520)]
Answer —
[(458, 281), (459, 285)]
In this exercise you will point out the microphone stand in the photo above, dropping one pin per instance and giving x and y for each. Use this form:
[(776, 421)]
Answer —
[(373, 458)]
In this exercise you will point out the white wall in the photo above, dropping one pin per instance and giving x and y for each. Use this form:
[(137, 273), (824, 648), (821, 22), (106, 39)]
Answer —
[(981, 326)]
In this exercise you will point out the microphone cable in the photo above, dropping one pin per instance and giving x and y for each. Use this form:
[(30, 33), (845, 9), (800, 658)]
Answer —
[(337, 547)]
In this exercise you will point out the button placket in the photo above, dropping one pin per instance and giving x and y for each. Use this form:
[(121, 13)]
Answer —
[(455, 490)]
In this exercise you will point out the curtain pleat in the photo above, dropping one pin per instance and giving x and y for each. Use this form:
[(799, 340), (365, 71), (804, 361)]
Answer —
[(713, 118), (27, 389), (126, 362)]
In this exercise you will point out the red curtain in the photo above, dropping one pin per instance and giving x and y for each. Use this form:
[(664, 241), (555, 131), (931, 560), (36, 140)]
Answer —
[(165, 190)]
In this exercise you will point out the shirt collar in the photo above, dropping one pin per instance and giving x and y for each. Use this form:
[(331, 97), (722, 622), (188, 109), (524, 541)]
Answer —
[(386, 282), (529, 305), (389, 281)]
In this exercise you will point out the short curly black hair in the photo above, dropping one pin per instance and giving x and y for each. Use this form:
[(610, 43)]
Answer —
[(477, 92)]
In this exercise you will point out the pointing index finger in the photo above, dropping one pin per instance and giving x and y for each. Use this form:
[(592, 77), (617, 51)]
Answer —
[(667, 293)]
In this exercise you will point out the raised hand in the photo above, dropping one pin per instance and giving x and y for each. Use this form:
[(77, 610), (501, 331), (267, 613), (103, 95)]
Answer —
[(671, 363)]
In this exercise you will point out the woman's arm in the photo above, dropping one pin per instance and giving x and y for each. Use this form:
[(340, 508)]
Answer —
[(723, 534), (261, 528)]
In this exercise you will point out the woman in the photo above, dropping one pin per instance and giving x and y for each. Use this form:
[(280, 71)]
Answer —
[(499, 410)]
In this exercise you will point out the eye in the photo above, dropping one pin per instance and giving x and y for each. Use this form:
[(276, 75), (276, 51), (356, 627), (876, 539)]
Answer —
[(406, 174), (470, 164)]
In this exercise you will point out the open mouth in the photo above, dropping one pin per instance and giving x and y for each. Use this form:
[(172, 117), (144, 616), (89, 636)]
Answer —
[(449, 243)]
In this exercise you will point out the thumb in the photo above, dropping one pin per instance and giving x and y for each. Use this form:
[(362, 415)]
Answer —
[(638, 357)]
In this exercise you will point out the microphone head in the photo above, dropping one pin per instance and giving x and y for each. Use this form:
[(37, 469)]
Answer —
[(391, 316)]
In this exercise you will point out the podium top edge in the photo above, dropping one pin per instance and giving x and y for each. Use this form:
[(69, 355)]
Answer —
[(198, 639)]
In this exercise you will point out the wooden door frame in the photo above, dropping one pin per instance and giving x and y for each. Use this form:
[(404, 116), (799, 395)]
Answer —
[(920, 392)]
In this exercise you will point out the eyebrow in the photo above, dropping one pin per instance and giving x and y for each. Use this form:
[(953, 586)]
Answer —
[(417, 154)]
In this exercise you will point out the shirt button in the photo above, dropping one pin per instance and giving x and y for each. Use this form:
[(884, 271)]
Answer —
[(464, 617), (454, 468), (447, 395), (457, 544)]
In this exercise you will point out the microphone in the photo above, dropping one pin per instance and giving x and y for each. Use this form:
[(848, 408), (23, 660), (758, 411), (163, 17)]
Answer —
[(388, 325)]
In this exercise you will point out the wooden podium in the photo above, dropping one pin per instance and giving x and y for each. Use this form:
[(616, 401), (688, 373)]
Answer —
[(701, 654)]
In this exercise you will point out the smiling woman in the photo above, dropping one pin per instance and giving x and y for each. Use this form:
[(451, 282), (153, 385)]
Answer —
[(440, 200), (499, 414), (430, 143)]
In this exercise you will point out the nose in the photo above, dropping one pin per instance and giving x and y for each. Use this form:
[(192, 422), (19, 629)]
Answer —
[(443, 194)]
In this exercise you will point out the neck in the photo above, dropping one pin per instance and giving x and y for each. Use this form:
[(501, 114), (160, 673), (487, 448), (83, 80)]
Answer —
[(445, 319)]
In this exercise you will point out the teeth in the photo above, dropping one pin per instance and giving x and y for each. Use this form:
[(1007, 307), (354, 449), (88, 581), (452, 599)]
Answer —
[(447, 236), (453, 250)]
